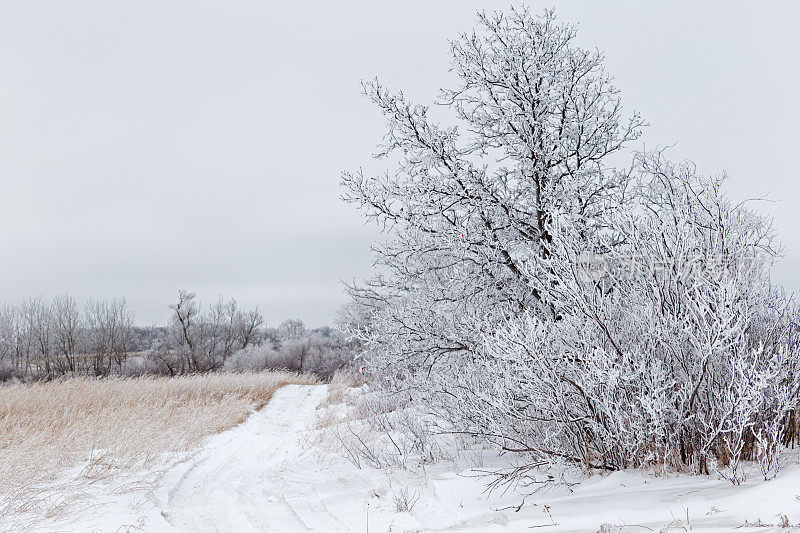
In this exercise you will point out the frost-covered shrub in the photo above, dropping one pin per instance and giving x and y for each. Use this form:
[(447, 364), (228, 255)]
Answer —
[(530, 293), (312, 353), (334, 357), (691, 358), (134, 367), (257, 358)]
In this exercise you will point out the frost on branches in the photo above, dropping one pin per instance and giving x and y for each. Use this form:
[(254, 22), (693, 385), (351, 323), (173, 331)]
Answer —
[(534, 295)]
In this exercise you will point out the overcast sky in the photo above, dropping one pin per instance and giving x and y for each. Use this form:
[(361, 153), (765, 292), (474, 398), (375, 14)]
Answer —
[(152, 146)]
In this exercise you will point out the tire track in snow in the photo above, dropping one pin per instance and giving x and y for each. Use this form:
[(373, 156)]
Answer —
[(242, 479)]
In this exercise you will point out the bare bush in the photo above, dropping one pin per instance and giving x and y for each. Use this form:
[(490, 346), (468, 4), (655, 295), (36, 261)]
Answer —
[(405, 499)]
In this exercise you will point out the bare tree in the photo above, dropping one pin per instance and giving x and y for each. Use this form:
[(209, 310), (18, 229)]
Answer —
[(185, 329), (39, 327), (68, 323), (205, 340), (13, 349), (109, 325), (247, 326)]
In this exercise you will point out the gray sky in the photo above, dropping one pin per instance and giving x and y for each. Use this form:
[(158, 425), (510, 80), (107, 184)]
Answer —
[(152, 146)]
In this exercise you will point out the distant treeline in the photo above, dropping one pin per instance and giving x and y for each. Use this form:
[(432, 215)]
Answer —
[(47, 338)]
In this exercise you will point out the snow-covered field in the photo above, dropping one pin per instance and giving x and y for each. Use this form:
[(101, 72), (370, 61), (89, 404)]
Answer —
[(271, 474)]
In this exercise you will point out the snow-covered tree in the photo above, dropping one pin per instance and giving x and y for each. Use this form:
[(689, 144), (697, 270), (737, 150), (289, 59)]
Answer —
[(537, 296), (535, 119)]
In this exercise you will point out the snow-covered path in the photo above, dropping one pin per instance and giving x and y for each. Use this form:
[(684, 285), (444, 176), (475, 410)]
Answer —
[(270, 474), (242, 480), (263, 476)]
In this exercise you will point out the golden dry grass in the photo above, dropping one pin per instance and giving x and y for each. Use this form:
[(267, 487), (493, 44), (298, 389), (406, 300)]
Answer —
[(107, 426)]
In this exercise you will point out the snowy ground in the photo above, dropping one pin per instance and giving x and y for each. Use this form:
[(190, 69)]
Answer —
[(265, 475)]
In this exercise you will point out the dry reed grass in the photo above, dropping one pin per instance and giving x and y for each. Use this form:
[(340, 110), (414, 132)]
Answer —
[(103, 427)]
